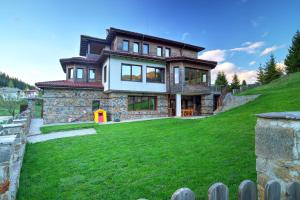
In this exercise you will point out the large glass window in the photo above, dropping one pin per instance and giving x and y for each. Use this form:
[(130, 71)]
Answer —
[(79, 73), (136, 47), (176, 75), (167, 52), (70, 73), (131, 72), (141, 103), (155, 74), (125, 45), (195, 76), (92, 74), (145, 48), (159, 51)]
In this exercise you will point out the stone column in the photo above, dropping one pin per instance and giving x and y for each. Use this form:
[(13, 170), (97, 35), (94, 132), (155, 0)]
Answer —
[(31, 105), (178, 105), (207, 104), (277, 148)]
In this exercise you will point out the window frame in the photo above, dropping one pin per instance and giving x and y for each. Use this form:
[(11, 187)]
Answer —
[(174, 72), (140, 66), (70, 75), (127, 45), (82, 68), (169, 49), (148, 48), (105, 73), (156, 68), (138, 47), (92, 69), (198, 76), (136, 96), (161, 51)]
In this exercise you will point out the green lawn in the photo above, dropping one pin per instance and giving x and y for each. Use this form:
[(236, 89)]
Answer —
[(154, 158)]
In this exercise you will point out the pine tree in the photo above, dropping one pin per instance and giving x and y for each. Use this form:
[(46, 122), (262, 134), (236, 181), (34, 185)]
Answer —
[(244, 83), (221, 79), (235, 84), (261, 75), (292, 60), (271, 73), (10, 84)]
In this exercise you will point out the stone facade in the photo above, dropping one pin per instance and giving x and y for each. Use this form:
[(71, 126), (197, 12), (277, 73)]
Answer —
[(277, 147), (62, 105), (207, 104)]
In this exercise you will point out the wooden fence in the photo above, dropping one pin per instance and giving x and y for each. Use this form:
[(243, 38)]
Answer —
[(247, 191)]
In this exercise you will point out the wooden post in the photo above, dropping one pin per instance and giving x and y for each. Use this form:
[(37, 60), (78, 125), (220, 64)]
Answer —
[(218, 191), (183, 194), (272, 190), (247, 190), (293, 191)]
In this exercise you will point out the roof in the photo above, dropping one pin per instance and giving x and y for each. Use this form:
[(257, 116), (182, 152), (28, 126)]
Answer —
[(91, 59), (69, 84), (112, 32), (85, 40), (211, 64)]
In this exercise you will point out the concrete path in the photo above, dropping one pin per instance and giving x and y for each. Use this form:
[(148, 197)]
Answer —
[(62, 134), (35, 126)]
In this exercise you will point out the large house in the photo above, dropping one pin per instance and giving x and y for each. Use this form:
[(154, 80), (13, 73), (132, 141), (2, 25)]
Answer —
[(131, 76)]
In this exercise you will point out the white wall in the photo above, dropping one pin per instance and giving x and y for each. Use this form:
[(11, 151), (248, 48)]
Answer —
[(117, 84)]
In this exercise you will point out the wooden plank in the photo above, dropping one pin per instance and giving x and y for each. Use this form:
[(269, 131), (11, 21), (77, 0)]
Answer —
[(218, 191), (272, 190), (293, 191), (183, 194), (247, 190)]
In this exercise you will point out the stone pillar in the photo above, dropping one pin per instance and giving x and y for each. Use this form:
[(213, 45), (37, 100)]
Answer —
[(178, 105), (207, 104), (277, 148), (31, 105)]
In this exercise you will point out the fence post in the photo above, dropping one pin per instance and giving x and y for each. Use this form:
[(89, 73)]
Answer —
[(272, 190), (183, 194), (293, 191), (218, 191), (247, 190), (277, 150)]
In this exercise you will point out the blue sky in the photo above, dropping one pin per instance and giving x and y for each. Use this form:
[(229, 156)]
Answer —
[(239, 34)]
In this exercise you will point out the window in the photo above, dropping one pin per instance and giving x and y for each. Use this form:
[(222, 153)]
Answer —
[(141, 103), (92, 74), (195, 76), (136, 47), (167, 52), (104, 73), (155, 74), (79, 73), (145, 48), (176, 75), (95, 105), (125, 45), (159, 51), (70, 73), (131, 72)]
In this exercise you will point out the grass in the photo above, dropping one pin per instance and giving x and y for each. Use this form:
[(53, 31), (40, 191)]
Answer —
[(154, 158), (69, 127)]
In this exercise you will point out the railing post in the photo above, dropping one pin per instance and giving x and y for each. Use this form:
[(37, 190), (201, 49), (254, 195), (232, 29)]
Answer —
[(277, 149)]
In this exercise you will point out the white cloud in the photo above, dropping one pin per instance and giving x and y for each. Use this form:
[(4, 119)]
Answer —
[(217, 55), (252, 63), (281, 66), (268, 50), (249, 47), (230, 69), (185, 35)]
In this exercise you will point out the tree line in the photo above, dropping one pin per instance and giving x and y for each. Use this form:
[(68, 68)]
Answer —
[(7, 81), (269, 72)]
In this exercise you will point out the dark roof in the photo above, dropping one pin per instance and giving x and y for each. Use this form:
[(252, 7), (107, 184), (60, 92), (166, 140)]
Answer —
[(84, 40), (91, 59), (211, 64), (69, 84), (112, 32)]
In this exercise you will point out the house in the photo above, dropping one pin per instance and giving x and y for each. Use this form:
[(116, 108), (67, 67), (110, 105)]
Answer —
[(11, 93), (131, 76), (33, 93)]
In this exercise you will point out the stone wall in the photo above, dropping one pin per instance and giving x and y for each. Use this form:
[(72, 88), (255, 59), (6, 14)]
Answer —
[(207, 104), (277, 147), (66, 105), (12, 149)]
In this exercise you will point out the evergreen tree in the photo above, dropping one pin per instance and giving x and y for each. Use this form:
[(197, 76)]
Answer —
[(10, 84), (292, 60), (235, 84), (261, 75), (221, 79), (271, 73), (244, 83)]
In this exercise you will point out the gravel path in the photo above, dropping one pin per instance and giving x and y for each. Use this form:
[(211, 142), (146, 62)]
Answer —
[(35, 126), (62, 134)]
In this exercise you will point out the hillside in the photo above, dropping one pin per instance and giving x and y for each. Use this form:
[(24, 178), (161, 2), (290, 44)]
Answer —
[(152, 159), (7, 81)]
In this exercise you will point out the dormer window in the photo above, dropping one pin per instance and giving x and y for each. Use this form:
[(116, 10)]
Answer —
[(125, 46), (136, 47), (70, 73), (167, 52), (159, 51), (79, 73)]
